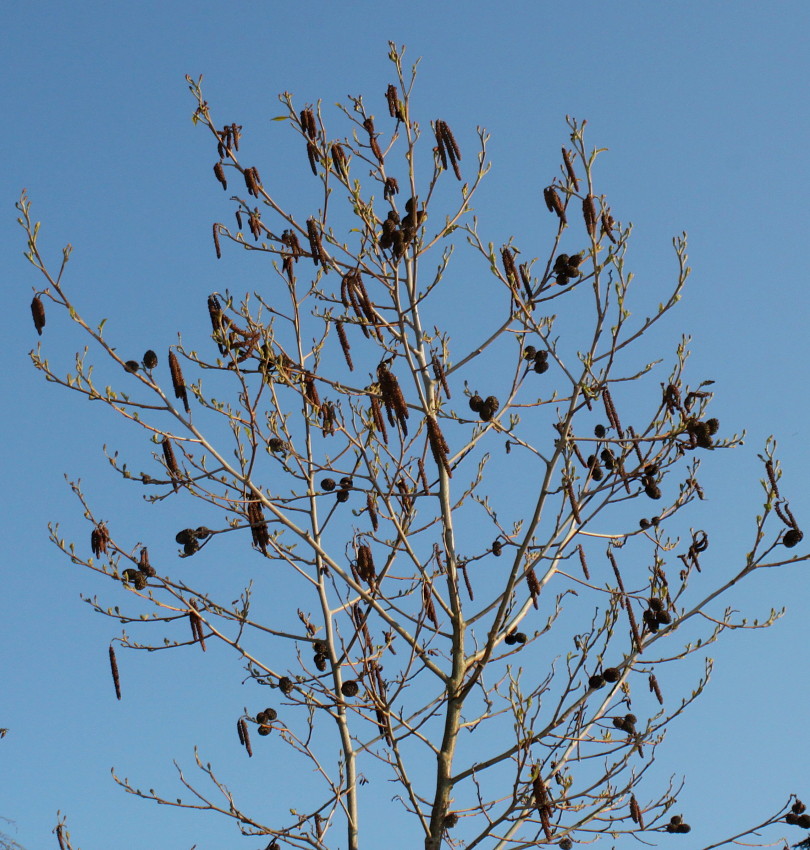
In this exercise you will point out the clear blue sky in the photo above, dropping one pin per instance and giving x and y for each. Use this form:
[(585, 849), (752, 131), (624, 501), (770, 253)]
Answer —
[(704, 107)]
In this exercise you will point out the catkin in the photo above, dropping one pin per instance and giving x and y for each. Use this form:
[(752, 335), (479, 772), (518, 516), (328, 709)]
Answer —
[(177, 381), (114, 669)]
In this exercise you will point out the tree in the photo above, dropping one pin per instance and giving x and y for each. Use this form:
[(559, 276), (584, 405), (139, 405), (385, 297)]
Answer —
[(457, 498)]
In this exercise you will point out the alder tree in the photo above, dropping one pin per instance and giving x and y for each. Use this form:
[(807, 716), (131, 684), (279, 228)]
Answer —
[(485, 508)]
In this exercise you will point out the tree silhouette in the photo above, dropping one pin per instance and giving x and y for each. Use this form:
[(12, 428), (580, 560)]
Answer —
[(486, 508)]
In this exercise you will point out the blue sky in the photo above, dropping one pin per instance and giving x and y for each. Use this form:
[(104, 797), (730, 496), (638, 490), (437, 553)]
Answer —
[(703, 107)]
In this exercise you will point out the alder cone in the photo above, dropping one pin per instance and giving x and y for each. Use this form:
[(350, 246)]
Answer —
[(350, 688)]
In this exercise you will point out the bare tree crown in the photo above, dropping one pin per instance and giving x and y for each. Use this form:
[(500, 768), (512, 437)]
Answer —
[(483, 531)]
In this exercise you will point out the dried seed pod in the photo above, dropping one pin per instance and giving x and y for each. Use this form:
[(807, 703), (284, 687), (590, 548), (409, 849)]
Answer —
[(798, 808), (114, 670), (285, 685), (185, 536), (350, 688), (644, 523), (611, 674), (177, 381), (803, 821), (342, 495), (599, 431), (565, 844), (191, 548), (655, 604), (264, 730), (132, 366), (328, 484), (792, 537), (476, 403), (276, 444), (663, 618), (529, 352), (268, 715), (219, 172), (497, 548), (520, 637), (38, 314), (540, 366), (450, 820), (596, 681), (321, 647), (650, 621), (150, 359)]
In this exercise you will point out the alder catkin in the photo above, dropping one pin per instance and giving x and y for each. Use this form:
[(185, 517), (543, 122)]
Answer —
[(114, 669), (38, 312)]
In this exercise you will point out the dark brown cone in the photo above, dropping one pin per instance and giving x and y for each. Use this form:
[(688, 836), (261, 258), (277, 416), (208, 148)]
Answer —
[(350, 688), (38, 312)]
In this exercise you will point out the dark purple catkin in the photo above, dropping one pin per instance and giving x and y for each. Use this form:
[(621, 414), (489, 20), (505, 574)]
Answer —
[(344, 344), (171, 461), (589, 214), (569, 167), (114, 669), (38, 312), (177, 381), (219, 171)]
